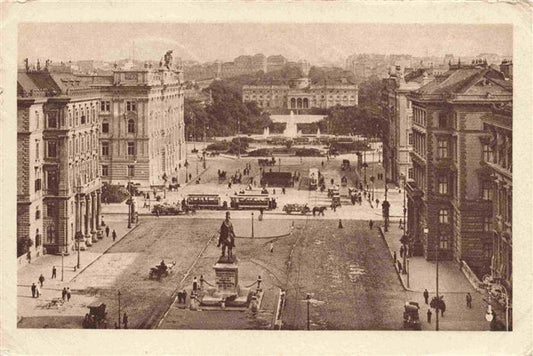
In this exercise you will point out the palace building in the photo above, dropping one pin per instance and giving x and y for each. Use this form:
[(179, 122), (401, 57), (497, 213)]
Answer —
[(449, 199), (300, 93), (75, 132), (58, 188), (142, 125)]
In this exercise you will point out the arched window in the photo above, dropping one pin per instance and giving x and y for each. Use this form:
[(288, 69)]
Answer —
[(293, 103), (131, 126)]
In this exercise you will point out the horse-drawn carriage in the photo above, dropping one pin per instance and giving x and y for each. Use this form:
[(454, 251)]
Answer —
[(168, 209), (96, 318), (411, 318), (266, 161), (296, 208), (161, 270)]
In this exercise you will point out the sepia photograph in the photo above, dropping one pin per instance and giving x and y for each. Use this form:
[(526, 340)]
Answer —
[(263, 176)]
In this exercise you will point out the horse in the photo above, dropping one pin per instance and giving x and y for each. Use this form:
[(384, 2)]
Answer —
[(320, 210)]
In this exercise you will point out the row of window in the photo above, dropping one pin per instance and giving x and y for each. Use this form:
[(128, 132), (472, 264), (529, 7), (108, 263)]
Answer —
[(130, 148), (419, 116), (131, 126), (105, 106), (105, 170)]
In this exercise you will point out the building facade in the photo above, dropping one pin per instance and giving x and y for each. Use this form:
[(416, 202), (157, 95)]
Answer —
[(301, 94), (396, 113), (497, 173), (142, 126), (58, 191), (449, 202)]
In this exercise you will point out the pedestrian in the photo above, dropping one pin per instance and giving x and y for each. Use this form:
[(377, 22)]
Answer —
[(340, 224), (377, 203), (68, 294), (125, 320), (41, 280), (370, 224), (426, 295), (271, 247), (401, 251), (194, 284), (334, 207), (180, 297), (114, 234), (33, 290), (28, 256), (54, 272), (37, 291), (64, 293), (468, 301), (202, 280), (429, 315), (107, 231), (190, 176), (394, 256), (184, 296), (442, 306)]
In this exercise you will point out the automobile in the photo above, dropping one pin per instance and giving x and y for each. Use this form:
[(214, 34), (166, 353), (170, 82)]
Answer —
[(411, 317)]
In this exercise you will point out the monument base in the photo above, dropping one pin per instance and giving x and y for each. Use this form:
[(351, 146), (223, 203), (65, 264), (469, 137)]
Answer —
[(227, 293)]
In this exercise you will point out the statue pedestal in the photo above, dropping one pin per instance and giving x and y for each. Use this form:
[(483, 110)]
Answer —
[(227, 277)]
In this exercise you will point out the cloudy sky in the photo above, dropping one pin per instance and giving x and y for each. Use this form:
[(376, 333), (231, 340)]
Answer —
[(318, 43)]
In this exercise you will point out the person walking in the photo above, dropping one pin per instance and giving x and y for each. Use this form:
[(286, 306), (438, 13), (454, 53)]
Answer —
[(271, 247), (107, 231), (426, 296), (340, 224), (37, 291), (33, 290), (54, 272), (64, 293), (114, 234), (41, 280), (468, 301), (125, 320), (370, 224), (429, 315), (68, 294), (202, 280), (194, 285), (442, 306)]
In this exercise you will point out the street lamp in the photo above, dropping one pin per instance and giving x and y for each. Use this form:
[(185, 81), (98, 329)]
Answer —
[(308, 299), (252, 224), (119, 308), (426, 232)]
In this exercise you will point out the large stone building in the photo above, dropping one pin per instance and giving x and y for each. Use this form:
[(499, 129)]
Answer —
[(449, 201), (142, 126), (396, 112), (496, 171), (301, 94), (58, 189), (75, 132)]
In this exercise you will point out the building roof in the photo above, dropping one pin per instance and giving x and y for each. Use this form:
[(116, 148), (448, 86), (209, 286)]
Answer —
[(469, 80)]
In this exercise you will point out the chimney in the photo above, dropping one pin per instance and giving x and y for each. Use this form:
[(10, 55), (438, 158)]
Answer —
[(506, 67)]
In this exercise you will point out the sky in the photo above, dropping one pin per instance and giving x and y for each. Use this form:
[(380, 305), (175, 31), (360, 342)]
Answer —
[(205, 42)]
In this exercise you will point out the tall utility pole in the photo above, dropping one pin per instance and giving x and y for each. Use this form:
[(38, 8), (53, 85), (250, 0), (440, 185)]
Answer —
[(437, 283)]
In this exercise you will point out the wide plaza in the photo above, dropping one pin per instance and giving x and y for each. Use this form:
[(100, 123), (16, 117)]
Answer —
[(348, 273)]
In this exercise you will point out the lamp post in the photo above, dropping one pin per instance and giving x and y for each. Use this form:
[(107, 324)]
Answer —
[(62, 264), (252, 224), (308, 299), (426, 232), (119, 308)]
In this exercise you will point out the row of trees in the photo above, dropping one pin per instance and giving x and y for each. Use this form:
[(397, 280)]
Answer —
[(226, 114)]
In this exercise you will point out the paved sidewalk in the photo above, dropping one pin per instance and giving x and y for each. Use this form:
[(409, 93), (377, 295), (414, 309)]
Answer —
[(28, 274), (453, 285)]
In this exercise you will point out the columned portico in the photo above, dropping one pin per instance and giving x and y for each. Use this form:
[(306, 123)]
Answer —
[(98, 213)]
